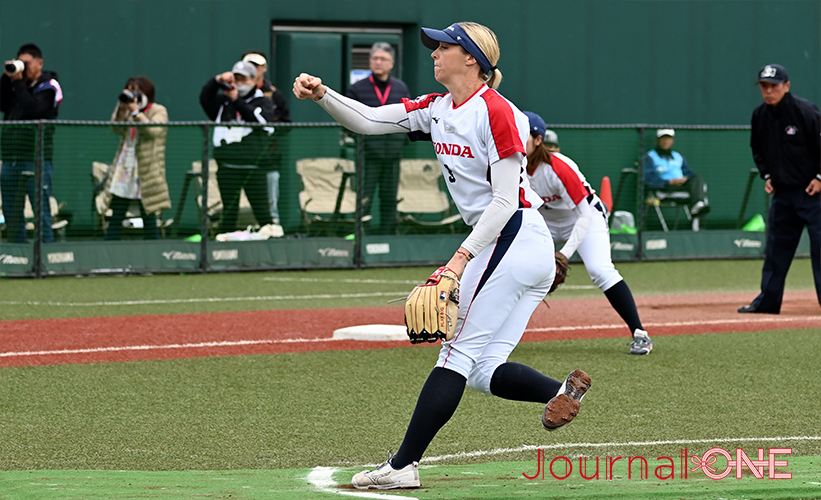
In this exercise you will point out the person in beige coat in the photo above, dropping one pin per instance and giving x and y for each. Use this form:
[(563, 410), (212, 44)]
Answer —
[(137, 175)]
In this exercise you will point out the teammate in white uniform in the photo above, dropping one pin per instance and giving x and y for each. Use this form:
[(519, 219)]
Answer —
[(479, 138), (578, 218)]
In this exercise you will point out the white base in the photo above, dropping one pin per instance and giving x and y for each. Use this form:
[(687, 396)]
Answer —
[(378, 333)]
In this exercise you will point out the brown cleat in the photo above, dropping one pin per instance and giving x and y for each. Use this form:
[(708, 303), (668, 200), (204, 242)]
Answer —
[(565, 405)]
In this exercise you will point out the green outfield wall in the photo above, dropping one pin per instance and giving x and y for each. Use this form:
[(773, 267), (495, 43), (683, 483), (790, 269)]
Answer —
[(573, 61)]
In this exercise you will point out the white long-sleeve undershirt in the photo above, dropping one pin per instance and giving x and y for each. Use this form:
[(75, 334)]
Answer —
[(363, 119), (393, 118), (584, 217), (504, 177)]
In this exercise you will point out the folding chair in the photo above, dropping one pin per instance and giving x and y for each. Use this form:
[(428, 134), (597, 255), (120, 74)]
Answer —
[(661, 199), (327, 201), (421, 201), (214, 205), (58, 222)]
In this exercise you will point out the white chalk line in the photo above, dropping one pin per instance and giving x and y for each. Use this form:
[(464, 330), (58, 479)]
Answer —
[(151, 347), (403, 293), (232, 343), (389, 282), (746, 320), (350, 280), (499, 451), (322, 479)]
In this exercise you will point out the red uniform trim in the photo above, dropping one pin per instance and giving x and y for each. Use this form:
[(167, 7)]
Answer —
[(503, 125), (523, 203), (570, 179), (414, 104)]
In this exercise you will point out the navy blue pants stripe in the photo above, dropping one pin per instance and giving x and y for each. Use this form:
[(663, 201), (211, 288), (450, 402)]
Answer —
[(506, 238)]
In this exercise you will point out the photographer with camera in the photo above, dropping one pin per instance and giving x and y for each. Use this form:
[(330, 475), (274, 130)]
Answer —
[(273, 164), (241, 152), (137, 175), (26, 93)]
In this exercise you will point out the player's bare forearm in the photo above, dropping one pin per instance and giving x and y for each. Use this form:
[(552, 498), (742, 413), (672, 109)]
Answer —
[(459, 261)]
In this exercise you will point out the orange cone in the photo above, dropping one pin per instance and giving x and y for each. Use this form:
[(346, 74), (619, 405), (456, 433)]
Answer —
[(605, 193)]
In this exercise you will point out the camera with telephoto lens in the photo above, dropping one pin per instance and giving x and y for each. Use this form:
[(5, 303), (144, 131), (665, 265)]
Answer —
[(224, 85), (130, 96), (15, 66)]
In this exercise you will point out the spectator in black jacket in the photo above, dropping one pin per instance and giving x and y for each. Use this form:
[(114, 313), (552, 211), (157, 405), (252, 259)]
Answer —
[(381, 154), (26, 93), (260, 62), (281, 115), (241, 152), (786, 144)]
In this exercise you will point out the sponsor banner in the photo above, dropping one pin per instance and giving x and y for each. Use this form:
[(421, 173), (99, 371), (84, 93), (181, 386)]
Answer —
[(131, 256), (410, 249), (16, 259), (282, 253), (136, 256), (702, 244), (624, 246)]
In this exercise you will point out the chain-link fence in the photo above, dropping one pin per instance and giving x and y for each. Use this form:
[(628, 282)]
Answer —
[(126, 186)]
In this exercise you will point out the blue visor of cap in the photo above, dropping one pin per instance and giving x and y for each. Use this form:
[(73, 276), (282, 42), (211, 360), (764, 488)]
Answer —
[(536, 122), (455, 34)]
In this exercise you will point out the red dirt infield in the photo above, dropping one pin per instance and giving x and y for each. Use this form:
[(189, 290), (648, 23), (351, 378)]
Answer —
[(148, 337)]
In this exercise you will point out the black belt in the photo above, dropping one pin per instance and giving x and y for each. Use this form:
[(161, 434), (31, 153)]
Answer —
[(599, 204)]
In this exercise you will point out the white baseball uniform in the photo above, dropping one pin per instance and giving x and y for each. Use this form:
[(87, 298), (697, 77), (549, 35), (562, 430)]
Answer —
[(503, 284), (481, 140), (563, 187)]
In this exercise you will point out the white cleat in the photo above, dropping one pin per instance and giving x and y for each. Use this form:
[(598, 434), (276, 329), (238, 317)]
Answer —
[(641, 343), (385, 477), (565, 405)]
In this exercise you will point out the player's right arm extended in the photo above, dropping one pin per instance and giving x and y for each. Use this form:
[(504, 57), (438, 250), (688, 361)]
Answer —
[(362, 119)]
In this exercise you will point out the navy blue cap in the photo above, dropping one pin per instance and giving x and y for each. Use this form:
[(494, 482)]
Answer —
[(536, 123), (773, 73), (455, 34)]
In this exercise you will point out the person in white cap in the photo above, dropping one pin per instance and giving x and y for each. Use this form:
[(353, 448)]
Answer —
[(551, 141), (260, 62), (272, 164), (479, 138), (666, 171), (240, 151)]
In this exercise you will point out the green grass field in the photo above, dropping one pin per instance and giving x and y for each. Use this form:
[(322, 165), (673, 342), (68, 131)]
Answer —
[(254, 427)]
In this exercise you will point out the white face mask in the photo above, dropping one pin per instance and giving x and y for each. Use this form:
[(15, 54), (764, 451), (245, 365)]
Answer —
[(242, 90)]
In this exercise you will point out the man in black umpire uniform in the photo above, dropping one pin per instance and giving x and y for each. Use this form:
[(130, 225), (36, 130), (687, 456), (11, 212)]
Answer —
[(786, 143)]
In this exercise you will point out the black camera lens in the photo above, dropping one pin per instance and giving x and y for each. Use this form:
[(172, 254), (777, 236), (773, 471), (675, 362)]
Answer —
[(10, 68), (130, 96), (225, 86)]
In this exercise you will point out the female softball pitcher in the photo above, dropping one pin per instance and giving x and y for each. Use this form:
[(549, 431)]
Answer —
[(479, 138), (576, 216)]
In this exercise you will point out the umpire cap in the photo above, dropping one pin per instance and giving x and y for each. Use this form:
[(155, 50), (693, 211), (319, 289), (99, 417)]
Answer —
[(772, 73)]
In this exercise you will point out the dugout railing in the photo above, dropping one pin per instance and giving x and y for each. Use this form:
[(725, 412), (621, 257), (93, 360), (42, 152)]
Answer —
[(327, 227)]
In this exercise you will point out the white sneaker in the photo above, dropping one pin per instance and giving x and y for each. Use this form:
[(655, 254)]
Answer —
[(565, 405), (641, 343), (385, 477)]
